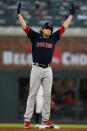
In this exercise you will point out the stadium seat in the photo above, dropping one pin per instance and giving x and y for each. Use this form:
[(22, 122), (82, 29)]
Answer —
[(55, 11)]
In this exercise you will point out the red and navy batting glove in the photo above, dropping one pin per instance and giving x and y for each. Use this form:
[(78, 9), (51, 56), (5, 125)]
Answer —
[(19, 8), (72, 9)]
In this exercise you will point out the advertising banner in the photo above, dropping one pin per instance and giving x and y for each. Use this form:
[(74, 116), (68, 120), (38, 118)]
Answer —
[(16, 53)]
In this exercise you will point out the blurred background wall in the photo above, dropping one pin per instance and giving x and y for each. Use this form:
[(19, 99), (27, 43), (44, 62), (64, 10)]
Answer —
[(69, 61)]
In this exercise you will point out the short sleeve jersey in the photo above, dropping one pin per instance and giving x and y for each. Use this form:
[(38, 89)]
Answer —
[(42, 49)]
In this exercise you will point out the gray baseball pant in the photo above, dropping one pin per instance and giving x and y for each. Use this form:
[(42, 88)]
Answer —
[(39, 76)]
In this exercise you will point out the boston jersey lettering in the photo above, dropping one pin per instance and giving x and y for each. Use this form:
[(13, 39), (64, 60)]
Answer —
[(45, 45)]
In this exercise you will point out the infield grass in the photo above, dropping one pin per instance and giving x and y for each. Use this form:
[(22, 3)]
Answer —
[(20, 125)]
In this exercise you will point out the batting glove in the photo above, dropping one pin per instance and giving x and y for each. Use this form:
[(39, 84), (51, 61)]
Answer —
[(19, 8), (72, 9)]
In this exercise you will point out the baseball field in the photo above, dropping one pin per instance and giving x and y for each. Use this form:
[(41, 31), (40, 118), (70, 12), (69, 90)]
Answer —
[(63, 127)]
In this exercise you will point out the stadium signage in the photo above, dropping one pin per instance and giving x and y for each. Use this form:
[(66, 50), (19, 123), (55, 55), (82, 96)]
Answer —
[(16, 58), (69, 54), (74, 59), (66, 59)]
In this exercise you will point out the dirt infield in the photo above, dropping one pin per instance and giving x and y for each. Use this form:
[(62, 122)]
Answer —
[(33, 129)]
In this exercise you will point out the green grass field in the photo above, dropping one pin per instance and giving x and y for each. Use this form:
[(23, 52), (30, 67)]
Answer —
[(61, 125)]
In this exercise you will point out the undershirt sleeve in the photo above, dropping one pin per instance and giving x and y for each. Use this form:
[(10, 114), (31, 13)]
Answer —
[(62, 29), (27, 30)]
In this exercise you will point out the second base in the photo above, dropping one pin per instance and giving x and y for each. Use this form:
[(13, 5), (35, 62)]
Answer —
[(45, 126)]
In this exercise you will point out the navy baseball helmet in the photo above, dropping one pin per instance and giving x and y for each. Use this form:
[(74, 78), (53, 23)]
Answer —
[(48, 25)]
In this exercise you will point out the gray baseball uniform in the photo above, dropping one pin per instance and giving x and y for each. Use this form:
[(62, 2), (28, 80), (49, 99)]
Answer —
[(39, 76)]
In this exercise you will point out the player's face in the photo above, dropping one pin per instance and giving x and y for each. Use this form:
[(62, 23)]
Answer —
[(46, 32)]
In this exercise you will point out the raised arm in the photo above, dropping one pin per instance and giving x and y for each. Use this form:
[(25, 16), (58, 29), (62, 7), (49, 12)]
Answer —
[(72, 10), (68, 21), (21, 20)]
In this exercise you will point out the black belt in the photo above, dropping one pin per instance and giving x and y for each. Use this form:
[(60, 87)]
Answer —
[(41, 65)]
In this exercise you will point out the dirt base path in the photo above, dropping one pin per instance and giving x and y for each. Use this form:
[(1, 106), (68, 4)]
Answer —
[(33, 129)]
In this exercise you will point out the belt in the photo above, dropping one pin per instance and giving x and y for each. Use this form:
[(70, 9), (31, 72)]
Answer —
[(41, 65)]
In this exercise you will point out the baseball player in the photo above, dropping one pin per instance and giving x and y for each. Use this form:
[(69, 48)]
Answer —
[(43, 45)]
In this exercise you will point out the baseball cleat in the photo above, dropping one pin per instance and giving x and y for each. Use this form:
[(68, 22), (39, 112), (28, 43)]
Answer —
[(27, 124), (47, 124)]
